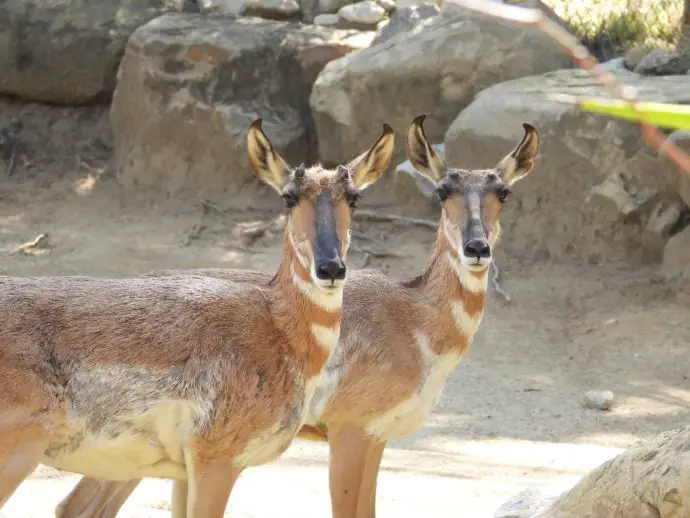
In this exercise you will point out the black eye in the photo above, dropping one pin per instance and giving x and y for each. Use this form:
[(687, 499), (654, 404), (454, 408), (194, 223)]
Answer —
[(442, 193), (352, 198), (502, 194), (290, 199)]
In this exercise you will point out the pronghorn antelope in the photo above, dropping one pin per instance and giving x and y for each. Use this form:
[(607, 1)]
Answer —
[(399, 341), (189, 378)]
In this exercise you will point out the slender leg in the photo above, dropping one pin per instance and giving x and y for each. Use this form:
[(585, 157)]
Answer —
[(21, 450), (354, 462), (210, 483), (180, 491), (119, 496), (93, 498), (366, 503)]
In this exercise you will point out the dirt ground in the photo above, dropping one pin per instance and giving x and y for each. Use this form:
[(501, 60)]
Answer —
[(511, 416)]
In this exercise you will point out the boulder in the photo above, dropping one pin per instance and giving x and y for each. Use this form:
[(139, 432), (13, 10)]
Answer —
[(273, 9), (662, 62), (365, 14), (676, 260), (68, 52), (596, 193), (437, 70), (228, 7), (190, 86), (648, 480), (405, 19)]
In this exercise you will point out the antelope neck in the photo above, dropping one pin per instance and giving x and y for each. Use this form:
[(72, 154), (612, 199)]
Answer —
[(308, 316)]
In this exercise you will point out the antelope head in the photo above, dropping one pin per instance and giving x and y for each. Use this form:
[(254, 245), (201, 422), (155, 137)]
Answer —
[(471, 198), (320, 203)]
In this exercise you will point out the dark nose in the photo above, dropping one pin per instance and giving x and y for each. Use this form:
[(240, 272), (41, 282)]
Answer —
[(477, 248), (331, 270)]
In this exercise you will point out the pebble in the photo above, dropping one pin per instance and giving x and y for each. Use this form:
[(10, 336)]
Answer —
[(366, 12), (598, 399)]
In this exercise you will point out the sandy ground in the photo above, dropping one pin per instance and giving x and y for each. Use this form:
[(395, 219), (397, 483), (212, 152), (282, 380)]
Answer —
[(511, 416)]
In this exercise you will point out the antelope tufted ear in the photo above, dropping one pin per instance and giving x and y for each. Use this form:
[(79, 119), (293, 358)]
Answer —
[(268, 165), (368, 167), (520, 161), (420, 153)]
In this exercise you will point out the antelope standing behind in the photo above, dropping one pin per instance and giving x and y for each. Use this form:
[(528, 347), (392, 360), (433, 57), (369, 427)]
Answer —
[(189, 378), (399, 341)]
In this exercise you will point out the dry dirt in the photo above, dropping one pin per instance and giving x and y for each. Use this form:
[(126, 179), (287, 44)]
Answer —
[(511, 416)]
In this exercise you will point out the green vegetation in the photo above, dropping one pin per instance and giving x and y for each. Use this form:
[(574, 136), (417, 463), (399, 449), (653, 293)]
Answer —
[(610, 27)]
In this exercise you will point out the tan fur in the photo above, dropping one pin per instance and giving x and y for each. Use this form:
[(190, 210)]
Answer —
[(182, 377), (398, 343)]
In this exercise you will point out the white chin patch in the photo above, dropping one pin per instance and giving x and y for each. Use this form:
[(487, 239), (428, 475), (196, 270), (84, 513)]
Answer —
[(327, 285), (475, 263)]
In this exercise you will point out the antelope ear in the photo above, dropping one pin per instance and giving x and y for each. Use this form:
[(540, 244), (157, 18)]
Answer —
[(517, 164), (368, 167), (420, 153), (268, 165)]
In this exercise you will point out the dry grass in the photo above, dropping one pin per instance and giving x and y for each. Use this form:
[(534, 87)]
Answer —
[(609, 27)]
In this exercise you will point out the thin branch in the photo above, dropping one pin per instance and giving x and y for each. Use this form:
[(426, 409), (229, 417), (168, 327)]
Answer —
[(531, 17)]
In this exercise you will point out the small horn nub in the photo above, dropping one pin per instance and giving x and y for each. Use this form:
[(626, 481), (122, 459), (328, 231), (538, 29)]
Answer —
[(300, 170), (343, 173)]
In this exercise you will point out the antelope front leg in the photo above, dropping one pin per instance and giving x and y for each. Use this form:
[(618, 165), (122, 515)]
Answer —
[(355, 458), (209, 484)]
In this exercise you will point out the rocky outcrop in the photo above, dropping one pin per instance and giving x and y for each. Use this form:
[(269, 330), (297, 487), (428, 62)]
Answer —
[(437, 69), (405, 19), (190, 86), (649, 480), (68, 52), (596, 193)]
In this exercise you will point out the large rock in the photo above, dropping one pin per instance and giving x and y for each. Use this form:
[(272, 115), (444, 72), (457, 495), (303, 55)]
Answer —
[(649, 480), (405, 19), (189, 87), (596, 192), (437, 70), (68, 51)]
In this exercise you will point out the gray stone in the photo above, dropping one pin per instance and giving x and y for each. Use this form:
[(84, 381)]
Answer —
[(661, 62), (68, 52), (649, 480), (273, 9), (436, 69), (676, 260), (330, 6), (598, 399), (226, 7), (326, 20), (633, 56), (189, 86), (553, 211), (405, 19), (530, 502), (366, 13), (388, 5)]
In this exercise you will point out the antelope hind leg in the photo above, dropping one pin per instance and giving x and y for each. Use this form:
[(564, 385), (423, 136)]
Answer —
[(93, 498), (355, 458)]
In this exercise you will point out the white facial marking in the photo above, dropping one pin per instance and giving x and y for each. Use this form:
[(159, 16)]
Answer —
[(470, 282), (300, 256), (329, 300)]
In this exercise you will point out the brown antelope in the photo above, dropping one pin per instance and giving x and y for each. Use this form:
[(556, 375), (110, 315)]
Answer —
[(189, 378), (399, 341)]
